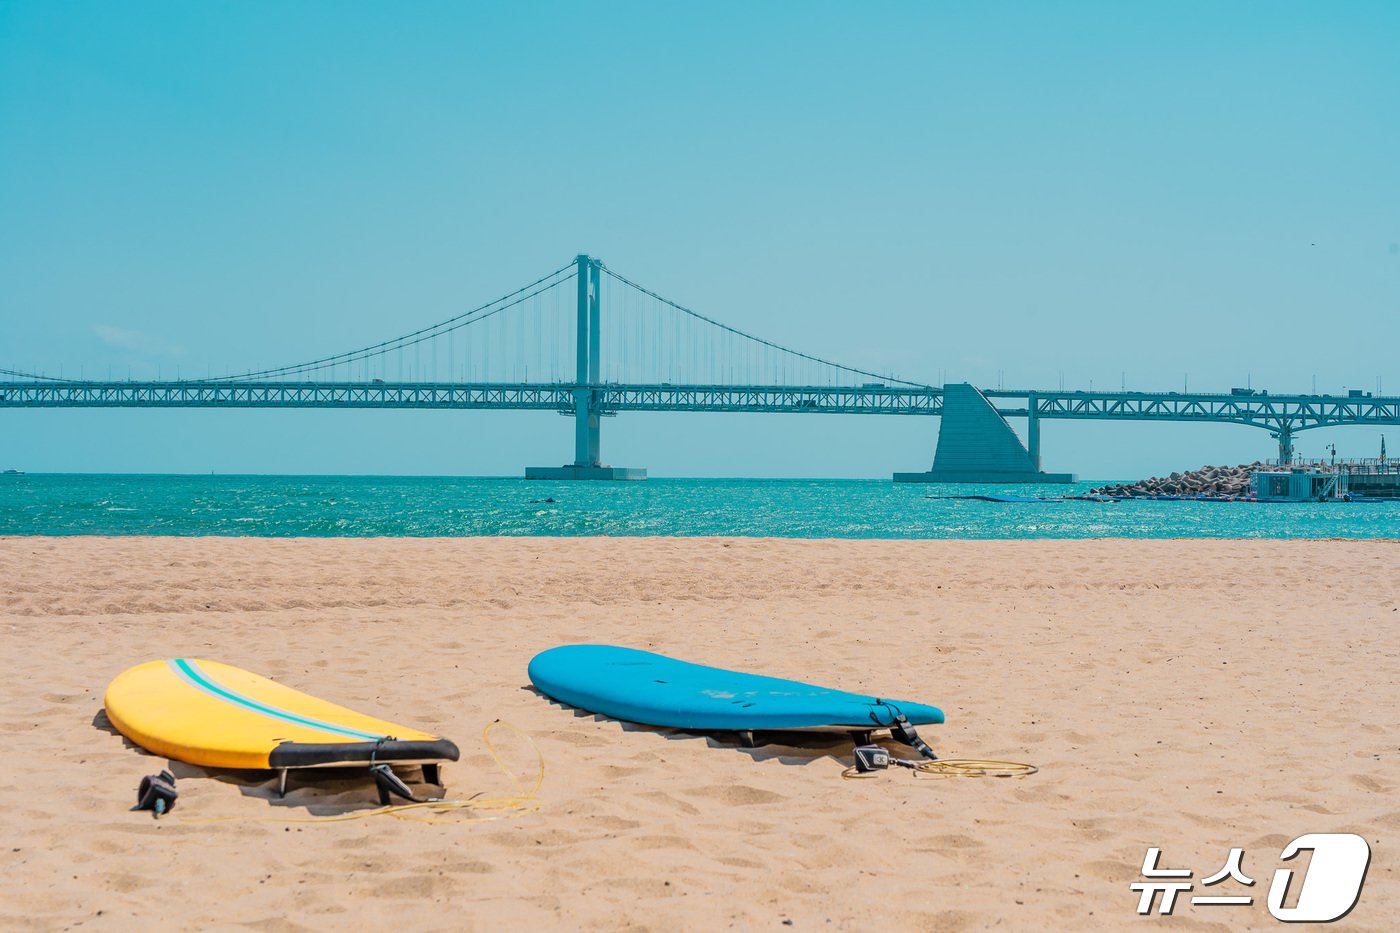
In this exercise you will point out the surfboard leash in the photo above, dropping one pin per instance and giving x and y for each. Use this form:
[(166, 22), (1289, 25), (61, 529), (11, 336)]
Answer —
[(942, 767), (872, 758)]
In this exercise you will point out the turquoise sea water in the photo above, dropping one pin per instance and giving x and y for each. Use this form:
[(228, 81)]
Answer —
[(322, 506)]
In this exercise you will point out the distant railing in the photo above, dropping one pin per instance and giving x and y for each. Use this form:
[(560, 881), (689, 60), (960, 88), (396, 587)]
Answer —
[(1353, 465)]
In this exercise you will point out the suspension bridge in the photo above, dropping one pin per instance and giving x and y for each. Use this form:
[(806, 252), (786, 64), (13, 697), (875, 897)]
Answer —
[(564, 343)]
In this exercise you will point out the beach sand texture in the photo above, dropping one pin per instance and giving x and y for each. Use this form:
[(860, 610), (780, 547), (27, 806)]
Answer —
[(1190, 695)]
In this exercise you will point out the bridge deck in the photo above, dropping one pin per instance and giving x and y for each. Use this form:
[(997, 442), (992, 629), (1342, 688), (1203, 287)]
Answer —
[(1259, 410)]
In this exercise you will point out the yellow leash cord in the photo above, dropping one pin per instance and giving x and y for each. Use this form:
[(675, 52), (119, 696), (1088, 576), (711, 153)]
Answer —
[(952, 767), (521, 801), (974, 767)]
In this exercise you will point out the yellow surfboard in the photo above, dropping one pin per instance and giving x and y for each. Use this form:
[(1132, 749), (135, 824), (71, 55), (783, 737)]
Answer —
[(221, 716)]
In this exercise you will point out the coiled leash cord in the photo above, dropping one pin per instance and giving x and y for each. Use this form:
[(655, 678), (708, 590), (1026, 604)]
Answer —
[(945, 767)]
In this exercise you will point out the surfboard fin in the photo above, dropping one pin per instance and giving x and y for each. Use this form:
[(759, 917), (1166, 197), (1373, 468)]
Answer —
[(903, 730), (389, 784), (157, 793)]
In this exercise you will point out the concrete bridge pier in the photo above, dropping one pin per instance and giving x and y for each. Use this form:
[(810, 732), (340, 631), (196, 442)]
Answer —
[(1284, 434), (977, 445), (588, 462), (1032, 432)]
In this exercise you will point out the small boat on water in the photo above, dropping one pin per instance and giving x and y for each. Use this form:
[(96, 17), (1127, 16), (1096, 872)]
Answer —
[(12, 473)]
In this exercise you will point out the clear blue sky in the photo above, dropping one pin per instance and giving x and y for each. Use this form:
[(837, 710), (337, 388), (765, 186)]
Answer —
[(1018, 191)]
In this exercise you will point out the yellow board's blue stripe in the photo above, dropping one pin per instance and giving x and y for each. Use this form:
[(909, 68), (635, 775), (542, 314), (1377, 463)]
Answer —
[(190, 672)]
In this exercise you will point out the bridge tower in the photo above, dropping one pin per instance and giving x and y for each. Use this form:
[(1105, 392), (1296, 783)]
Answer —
[(587, 389)]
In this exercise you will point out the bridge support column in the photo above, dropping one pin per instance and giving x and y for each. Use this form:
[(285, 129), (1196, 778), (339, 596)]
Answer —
[(1033, 431), (1285, 442), (977, 445), (588, 460)]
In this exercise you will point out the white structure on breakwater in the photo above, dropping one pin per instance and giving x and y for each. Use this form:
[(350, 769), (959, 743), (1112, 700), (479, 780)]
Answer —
[(1321, 481), (1299, 484)]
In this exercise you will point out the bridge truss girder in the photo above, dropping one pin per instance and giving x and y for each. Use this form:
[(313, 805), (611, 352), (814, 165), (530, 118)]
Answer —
[(284, 395), (1297, 413), (1261, 411), (1282, 416), (773, 399)]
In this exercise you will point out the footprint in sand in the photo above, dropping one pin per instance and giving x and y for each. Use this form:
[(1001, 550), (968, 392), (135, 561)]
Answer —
[(1271, 841), (579, 738), (954, 841), (735, 861), (615, 772), (468, 868), (670, 802), (614, 823), (663, 842), (1365, 782), (738, 795)]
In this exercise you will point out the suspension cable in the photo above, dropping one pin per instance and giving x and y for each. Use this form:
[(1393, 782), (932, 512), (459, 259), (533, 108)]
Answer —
[(427, 333), (22, 375), (768, 343)]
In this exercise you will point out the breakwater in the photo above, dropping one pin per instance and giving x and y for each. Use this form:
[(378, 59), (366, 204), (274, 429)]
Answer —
[(1207, 481)]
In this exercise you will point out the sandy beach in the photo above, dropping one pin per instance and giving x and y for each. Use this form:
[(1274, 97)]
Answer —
[(1189, 695)]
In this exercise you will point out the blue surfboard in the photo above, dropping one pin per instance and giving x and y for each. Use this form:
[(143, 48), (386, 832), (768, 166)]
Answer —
[(638, 686)]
